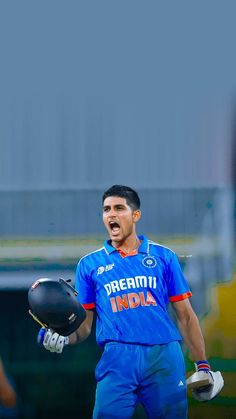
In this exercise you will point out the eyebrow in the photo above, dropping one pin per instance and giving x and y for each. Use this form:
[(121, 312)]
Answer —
[(115, 206)]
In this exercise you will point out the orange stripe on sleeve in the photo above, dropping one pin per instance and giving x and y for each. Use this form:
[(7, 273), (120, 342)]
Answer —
[(180, 297), (88, 306)]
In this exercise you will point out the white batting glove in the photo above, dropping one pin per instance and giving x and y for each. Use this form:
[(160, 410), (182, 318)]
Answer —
[(51, 340), (209, 392), (204, 383)]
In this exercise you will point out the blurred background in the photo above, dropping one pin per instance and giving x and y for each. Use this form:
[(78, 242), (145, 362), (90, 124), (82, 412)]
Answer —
[(94, 93)]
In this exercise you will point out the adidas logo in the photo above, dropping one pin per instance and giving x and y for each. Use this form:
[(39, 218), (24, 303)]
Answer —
[(180, 383)]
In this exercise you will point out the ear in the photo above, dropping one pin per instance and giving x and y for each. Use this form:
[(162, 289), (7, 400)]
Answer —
[(136, 215)]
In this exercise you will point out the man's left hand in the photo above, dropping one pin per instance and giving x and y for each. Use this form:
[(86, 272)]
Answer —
[(204, 383)]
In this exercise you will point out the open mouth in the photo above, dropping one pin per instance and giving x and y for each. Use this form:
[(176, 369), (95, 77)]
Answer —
[(114, 226)]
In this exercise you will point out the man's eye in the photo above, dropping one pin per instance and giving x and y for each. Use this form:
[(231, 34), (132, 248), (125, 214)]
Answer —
[(105, 209)]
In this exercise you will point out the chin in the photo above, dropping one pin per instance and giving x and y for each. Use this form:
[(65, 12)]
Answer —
[(115, 238)]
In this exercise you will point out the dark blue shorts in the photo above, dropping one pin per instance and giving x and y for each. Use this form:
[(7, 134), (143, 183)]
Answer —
[(152, 375)]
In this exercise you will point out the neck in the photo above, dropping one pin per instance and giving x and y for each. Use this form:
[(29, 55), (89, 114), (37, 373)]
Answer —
[(128, 245)]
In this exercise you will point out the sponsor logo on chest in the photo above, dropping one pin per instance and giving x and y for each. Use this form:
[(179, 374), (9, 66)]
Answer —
[(138, 281), (130, 300)]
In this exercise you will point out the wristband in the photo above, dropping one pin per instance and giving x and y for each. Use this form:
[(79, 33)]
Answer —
[(41, 334), (202, 365)]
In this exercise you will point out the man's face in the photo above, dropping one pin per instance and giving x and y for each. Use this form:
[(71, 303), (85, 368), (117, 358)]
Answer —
[(119, 219)]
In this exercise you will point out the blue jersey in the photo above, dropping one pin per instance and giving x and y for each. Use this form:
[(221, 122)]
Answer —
[(131, 294)]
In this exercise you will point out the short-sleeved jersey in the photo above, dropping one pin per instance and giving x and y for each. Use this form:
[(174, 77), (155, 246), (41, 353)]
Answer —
[(131, 294)]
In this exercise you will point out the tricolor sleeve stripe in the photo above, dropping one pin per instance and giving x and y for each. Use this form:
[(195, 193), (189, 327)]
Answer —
[(180, 297), (88, 306)]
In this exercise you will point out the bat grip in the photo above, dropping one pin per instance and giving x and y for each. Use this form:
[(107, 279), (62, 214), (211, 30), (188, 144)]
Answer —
[(41, 334), (37, 320)]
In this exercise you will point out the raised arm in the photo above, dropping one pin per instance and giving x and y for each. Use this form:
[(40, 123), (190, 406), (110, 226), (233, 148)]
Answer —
[(84, 330), (54, 342)]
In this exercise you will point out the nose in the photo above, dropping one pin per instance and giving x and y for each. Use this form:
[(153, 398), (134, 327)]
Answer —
[(112, 212)]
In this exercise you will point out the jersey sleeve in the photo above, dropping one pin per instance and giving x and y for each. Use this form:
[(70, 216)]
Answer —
[(85, 287), (178, 288)]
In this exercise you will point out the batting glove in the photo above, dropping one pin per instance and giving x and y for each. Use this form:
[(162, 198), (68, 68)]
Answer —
[(204, 383), (51, 340)]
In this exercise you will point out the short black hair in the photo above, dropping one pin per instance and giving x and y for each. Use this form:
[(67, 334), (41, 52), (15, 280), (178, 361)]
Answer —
[(126, 192)]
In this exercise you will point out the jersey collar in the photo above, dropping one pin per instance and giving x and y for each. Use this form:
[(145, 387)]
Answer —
[(143, 248)]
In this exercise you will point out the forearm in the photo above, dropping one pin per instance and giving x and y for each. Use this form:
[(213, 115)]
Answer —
[(193, 337), (79, 336), (83, 331)]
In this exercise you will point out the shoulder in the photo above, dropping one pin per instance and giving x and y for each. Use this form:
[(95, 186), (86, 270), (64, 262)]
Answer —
[(160, 250), (164, 253)]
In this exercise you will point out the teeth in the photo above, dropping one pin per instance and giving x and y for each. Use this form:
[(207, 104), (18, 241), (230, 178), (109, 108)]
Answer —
[(114, 226)]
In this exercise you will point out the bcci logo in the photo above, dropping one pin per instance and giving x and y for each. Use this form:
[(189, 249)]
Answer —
[(149, 262)]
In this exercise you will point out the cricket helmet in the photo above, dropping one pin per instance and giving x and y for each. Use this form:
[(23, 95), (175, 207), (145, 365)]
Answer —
[(55, 305)]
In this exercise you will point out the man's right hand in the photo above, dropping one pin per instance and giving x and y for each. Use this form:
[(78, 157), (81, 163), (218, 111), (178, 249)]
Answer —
[(51, 340)]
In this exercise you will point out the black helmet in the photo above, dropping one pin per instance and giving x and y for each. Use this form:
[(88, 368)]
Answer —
[(54, 304)]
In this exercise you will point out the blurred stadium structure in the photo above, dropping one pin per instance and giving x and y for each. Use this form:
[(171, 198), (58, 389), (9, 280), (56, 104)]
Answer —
[(150, 107), (192, 213), (198, 223)]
